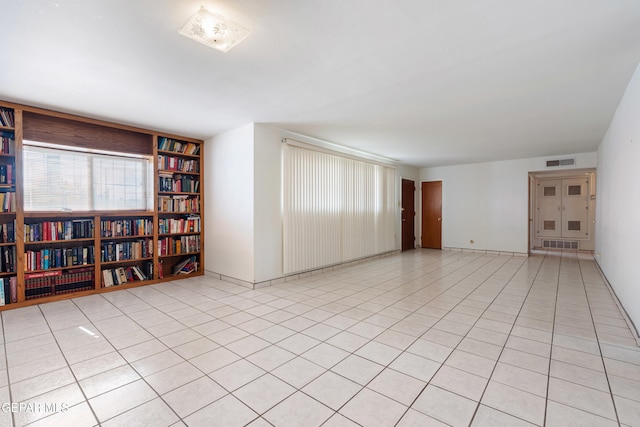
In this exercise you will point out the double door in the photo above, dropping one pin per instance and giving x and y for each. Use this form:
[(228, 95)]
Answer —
[(563, 208)]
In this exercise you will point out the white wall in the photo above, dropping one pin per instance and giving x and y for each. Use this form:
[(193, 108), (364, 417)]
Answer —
[(488, 202), (268, 205), (229, 204), (618, 202)]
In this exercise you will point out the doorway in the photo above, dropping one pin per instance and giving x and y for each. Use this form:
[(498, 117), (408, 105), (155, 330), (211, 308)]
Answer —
[(564, 211), (432, 214), (408, 214)]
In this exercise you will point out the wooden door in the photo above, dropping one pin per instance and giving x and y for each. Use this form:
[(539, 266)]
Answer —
[(408, 214), (432, 214)]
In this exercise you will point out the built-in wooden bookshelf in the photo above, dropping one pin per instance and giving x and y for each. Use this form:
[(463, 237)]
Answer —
[(51, 255), (8, 208), (179, 207)]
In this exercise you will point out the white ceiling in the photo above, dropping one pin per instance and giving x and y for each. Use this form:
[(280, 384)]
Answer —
[(425, 82)]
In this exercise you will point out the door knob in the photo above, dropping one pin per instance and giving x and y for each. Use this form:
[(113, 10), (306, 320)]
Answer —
[(439, 219)]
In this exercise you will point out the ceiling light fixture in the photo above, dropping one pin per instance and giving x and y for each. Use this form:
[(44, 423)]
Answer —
[(214, 30)]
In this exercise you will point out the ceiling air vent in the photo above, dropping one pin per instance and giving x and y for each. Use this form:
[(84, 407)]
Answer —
[(560, 162)]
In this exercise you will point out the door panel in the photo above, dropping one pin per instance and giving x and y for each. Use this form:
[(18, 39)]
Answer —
[(549, 208), (575, 203), (432, 214), (408, 215)]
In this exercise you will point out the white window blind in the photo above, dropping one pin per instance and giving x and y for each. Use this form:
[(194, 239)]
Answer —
[(60, 179), (335, 209)]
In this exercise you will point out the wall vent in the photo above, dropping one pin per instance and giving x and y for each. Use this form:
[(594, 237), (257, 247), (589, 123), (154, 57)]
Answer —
[(561, 244), (560, 162)]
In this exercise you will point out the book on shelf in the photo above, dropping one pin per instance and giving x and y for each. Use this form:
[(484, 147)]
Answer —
[(121, 275), (58, 230), (7, 118), (190, 224), (170, 144), (8, 142), (58, 282), (179, 245), (186, 266), (178, 164), (8, 259), (126, 227), (8, 202), (45, 259), (8, 290), (8, 232), (178, 183), (179, 204), (122, 251), (6, 175)]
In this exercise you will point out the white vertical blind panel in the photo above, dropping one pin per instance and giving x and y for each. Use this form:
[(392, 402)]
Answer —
[(334, 209), (311, 209)]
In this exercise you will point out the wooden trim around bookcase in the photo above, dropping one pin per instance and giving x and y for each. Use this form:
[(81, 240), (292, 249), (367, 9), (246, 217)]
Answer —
[(63, 121), (20, 248)]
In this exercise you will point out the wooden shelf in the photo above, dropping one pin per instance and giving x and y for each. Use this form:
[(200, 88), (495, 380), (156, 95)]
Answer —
[(49, 242), (179, 255), (70, 267), (174, 153), (7, 273), (82, 132), (142, 236), (179, 213), (176, 193), (124, 261), (169, 171)]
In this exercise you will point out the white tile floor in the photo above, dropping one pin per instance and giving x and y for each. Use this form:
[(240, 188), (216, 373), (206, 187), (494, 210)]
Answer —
[(425, 338)]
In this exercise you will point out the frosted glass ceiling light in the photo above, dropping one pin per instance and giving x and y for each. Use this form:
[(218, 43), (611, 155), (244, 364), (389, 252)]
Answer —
[(214, 30)]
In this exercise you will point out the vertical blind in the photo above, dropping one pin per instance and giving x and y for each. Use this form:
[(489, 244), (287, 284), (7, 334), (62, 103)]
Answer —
[(335, 209)]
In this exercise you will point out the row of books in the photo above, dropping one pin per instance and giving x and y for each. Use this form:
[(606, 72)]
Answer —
[(122, 251), (181, 245), (8, 290), (122, 275), (8, 232), (178, 183), (8, 202), (45, 259), (190, 224), (178, 164), (186, 266), (58, 277), (6, 174), (169, 144), (38, 285), (180, 204), (7, 143), (58, 230), (126, 227), (7, 118), (8, 259)]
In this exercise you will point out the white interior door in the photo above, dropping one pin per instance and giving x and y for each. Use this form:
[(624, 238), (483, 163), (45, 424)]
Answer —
[(549, 224), (575, 208)]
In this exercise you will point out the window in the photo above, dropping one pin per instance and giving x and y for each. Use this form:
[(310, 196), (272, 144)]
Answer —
[(60, 178)]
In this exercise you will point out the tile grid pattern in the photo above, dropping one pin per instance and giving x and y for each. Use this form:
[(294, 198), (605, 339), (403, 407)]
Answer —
[(419, 338)]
